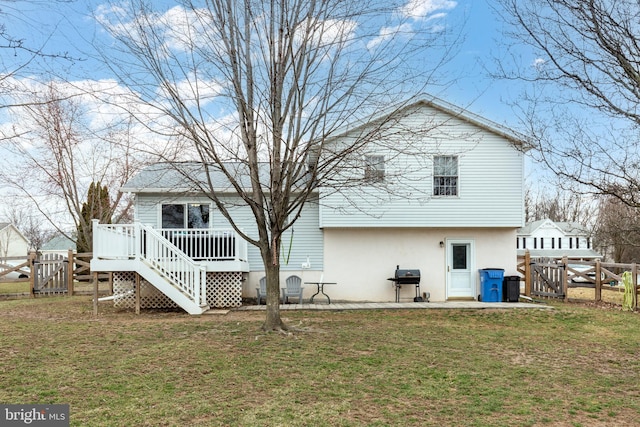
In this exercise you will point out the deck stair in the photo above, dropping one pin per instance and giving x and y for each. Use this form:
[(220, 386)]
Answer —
[(156, 259)]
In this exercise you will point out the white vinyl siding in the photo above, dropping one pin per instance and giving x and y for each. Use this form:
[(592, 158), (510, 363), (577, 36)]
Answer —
[(307, 239), (490, 181)]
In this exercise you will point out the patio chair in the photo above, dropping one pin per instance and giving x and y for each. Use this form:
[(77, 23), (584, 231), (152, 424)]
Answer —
[(293, 289), (262, 290)]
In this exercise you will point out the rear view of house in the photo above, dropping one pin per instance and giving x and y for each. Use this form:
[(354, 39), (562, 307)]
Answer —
[(440, 192)]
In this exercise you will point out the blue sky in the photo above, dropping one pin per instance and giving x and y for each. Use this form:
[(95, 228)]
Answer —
[(67, 27)]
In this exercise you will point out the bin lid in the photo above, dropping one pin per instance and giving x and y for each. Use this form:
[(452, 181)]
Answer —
[(494, 273)]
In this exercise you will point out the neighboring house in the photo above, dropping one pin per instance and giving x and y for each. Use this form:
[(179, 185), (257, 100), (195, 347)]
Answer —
[(58, 244), (12, 241), (549, 239), (455, 209)]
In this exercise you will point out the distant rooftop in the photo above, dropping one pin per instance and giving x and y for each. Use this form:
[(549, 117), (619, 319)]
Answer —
[(559, 253)]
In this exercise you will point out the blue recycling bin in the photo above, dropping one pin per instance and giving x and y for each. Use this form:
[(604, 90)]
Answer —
[(491, 284)]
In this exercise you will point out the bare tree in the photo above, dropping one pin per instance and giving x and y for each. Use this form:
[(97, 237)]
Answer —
[(24, 54), (582, 105), (29, 224), (618, 231), (559, 206), (259, 88), (54, 154)]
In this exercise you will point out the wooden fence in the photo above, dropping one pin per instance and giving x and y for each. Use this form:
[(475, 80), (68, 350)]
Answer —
[(14, 266), (52, 273), (49, 275), (552, 278)]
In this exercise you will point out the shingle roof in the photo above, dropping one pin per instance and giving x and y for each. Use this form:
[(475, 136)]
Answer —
[(59, 243), (569, 228), (185, 177), (559, 253)]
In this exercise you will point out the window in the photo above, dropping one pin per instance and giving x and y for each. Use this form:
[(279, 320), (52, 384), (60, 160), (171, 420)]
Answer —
[(445, 176), (188, 215), (374, 168)]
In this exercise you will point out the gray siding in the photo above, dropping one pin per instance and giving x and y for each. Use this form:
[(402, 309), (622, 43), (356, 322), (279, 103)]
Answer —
[(490, 179), (304, 240)]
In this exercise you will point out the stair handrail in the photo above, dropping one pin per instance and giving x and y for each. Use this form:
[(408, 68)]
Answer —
[(173, 264)]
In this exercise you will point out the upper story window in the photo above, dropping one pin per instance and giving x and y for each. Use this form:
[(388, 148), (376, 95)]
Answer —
[(445, 176), (185, 215), (374, 168)]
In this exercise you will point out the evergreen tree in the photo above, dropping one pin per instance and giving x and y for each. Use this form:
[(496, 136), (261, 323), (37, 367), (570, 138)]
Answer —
[(97, 206)]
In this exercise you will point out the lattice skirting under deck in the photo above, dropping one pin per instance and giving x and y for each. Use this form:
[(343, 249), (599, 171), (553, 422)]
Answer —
[(224, 290)]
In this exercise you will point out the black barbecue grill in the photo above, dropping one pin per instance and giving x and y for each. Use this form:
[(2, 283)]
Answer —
[(406, 277)]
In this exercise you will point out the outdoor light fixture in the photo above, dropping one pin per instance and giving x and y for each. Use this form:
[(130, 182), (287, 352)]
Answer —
[(441, 244)]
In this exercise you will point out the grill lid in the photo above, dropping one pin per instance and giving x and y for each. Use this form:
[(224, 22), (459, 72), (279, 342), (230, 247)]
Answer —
[(407, 273), (407, 276)]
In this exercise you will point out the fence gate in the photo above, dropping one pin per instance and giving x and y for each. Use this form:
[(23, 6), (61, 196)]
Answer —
[(50, 274), (548, 278)]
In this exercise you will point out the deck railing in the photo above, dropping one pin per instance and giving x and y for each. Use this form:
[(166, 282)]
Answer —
[(208, 244), (140, 242), (127, 241), (173, 264)]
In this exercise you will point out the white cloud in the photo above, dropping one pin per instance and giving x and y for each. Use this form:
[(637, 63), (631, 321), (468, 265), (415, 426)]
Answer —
[(387, 33), (538, 63), (420, 9)]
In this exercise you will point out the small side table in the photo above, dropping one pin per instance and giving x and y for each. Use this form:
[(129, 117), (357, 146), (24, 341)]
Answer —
[(320, 286)]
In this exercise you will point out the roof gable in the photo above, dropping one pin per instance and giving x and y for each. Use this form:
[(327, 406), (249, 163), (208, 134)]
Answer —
[(4, 226), (452, 110), (59, 243), (566, 228), (191, 178)]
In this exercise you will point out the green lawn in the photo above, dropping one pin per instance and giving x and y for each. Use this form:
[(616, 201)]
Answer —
[(14, 287), (23, 287), (572, 366)]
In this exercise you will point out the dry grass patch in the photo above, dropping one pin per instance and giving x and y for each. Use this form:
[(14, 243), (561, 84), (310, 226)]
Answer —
[(572, 366), (610, 294)]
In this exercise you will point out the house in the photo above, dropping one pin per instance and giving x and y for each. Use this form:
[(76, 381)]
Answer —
[(58, 244), (549, 239), (12, 242), (455, 206)]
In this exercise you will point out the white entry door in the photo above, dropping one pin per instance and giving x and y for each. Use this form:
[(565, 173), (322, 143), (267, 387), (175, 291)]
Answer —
[(461, 281)]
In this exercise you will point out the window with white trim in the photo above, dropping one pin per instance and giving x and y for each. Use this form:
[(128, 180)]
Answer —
[(445, 175), (374, 168), (185, 215)]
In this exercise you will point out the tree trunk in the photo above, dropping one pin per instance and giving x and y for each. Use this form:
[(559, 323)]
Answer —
[(272, 322)]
